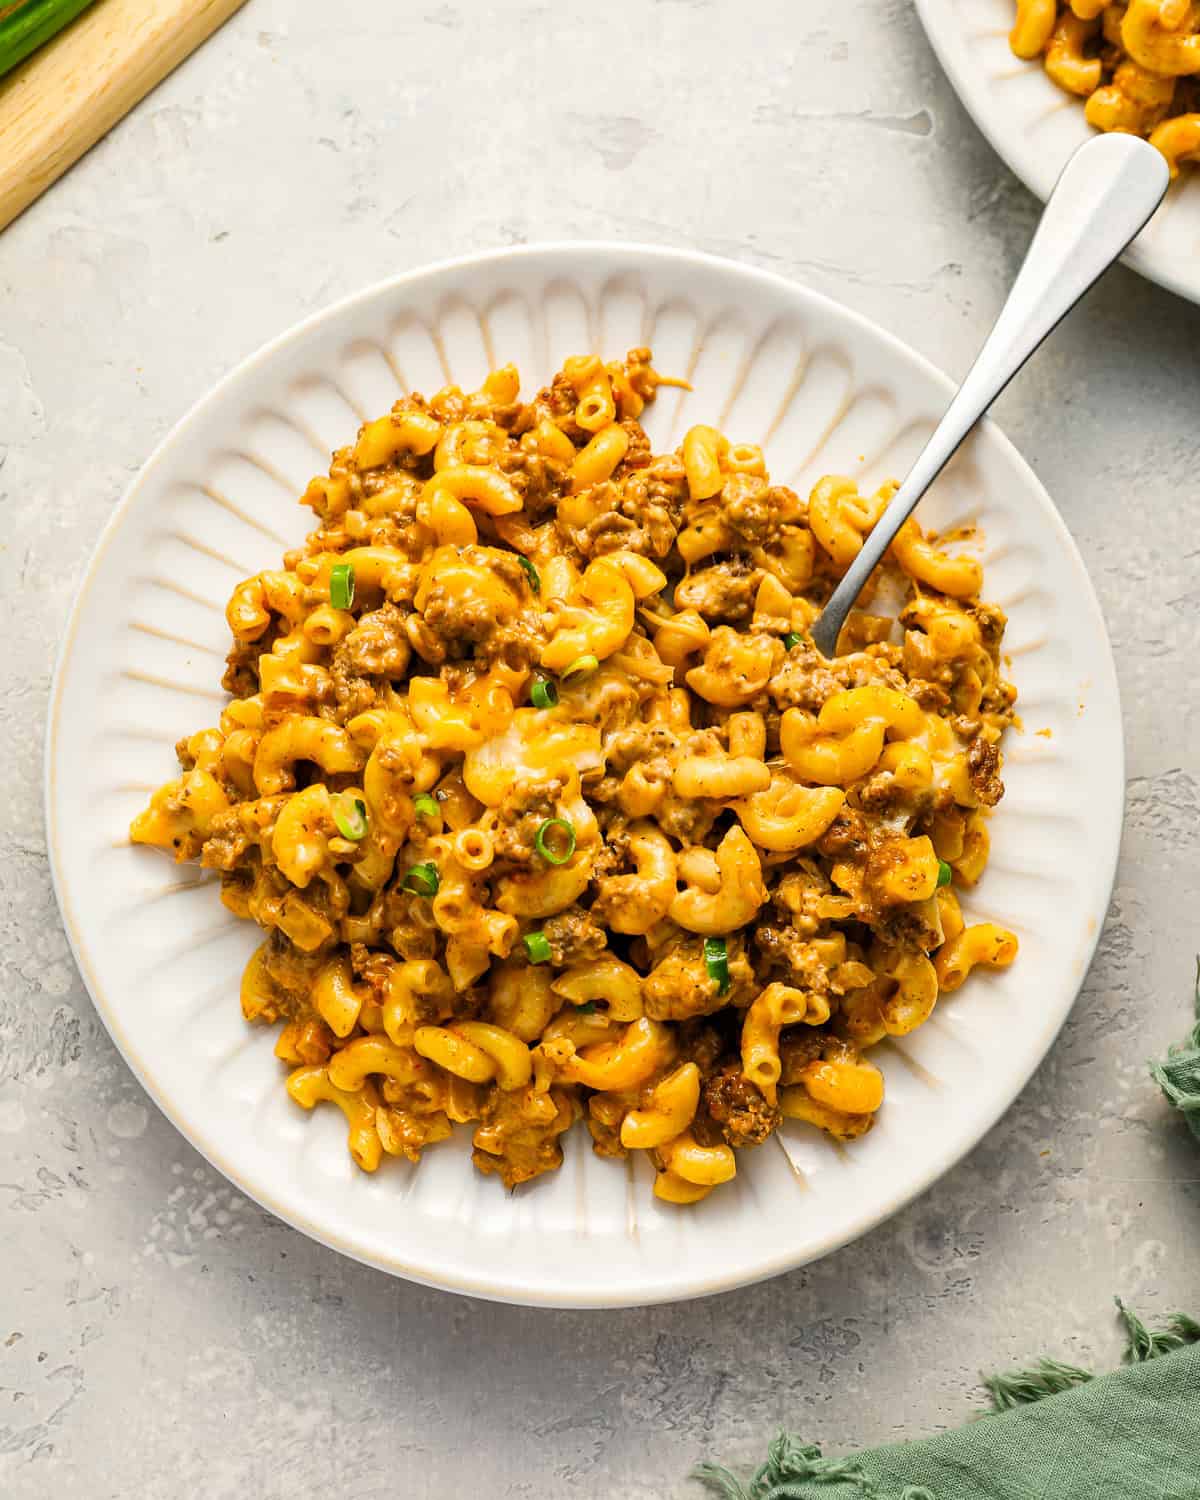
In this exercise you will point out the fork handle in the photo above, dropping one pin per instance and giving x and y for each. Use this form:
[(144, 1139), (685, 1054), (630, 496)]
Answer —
[(1105, 195)]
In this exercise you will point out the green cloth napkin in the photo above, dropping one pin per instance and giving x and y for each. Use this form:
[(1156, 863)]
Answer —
[(1179, 1075), (1053, 1432), (1057, 1434)]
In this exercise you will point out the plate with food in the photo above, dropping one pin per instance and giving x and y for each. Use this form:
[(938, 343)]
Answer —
[(476, 860), (1040, 76)]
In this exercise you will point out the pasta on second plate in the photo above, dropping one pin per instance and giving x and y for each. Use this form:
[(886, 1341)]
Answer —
[(1135, 63), (550, 808)]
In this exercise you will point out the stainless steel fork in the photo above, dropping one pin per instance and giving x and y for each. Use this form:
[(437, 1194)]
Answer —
[(1107, 192)]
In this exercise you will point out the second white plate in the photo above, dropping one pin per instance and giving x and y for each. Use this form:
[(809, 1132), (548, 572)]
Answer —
[(822, 390), (1035, 127)]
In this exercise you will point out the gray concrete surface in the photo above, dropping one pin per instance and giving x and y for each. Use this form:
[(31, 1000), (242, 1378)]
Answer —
[(162, 1338)]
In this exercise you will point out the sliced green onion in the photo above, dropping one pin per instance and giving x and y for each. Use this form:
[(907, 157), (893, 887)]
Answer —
[(588, 1008), (543, 693), (716, 961), (566, 844), (945, 873), (581, 667), (793, 638), (350, 815), (24, 29), (537, 945), (422, 880), (341, 585), (535, 581), (425, 806)]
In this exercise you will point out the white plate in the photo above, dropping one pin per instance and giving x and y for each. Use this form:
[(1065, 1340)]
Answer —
[(771, 363), (1035, 126)]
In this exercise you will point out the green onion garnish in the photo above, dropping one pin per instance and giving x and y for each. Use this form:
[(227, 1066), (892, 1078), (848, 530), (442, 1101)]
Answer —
[(716, 961), (425, 806), (350, 815), (588, 1008), (535, 582), (553, 827), (793, 638), (341, 585), (422, 880), (945, 873), (581, 667), (543, 693), (24, 28), (537, 945)]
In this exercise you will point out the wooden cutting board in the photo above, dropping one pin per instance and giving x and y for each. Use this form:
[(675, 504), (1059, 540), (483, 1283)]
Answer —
[(60, 101)]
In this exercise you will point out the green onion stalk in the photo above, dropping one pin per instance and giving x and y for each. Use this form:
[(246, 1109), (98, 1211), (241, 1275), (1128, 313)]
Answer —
[(25, 26)]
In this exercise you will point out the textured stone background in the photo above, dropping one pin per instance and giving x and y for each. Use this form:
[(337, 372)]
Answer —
[(160, 1336)]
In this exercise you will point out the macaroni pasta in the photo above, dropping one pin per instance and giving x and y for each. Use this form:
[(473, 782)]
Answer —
[(548, 807), (1135, 63)]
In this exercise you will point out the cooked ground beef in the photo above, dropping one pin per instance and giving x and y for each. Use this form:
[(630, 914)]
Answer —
[(455, 610), (574, 937), (738, 1107), (641, 514), (377, 646), (539, 480), (785, 954), (610, 531), (983, 766), (991, 620), (291, 972), (227, 841), (804, 680), (525, 807), (846, 837), (914, 928), (241, 668), (747, 510), (881, 793), (518, 1133), (376, 650), (637, 455), (625, 747), (690, 822), (559, 398), (724, 591), (457, 618), (699, 1042), (680, 986), (798, 1046), (606, 1138), (354, 694), (654, 499), (928, 695), (999, 698)]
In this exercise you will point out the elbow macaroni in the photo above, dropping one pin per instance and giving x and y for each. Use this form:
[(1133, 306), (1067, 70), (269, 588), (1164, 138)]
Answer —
[(555, 810), (1135, 63)]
